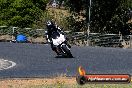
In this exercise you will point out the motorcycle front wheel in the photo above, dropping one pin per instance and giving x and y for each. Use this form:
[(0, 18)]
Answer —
[(67, 51)]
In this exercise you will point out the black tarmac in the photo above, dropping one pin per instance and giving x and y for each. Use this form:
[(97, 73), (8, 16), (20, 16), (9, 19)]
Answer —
[(38, 60)]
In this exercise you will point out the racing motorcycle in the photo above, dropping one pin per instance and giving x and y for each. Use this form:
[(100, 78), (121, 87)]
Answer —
[(62, 47)]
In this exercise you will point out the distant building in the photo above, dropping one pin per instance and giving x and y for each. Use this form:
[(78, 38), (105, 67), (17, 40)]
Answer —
[(54, 4)]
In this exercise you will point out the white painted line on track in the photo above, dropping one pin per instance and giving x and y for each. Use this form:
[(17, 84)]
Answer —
[(6, 64)]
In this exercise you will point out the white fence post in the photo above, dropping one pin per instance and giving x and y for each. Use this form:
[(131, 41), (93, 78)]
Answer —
[(13, 30)]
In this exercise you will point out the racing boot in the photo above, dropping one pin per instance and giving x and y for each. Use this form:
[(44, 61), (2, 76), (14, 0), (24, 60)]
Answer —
[(57, 52)]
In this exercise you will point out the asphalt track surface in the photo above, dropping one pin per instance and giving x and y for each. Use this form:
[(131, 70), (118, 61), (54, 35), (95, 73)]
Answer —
[(38, 60)]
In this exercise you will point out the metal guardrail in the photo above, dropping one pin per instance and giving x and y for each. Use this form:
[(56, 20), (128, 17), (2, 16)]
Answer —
[(79, 38), (105, 40)]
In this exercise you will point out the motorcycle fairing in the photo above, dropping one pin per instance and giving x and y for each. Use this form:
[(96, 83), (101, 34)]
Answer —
[(58, 40)]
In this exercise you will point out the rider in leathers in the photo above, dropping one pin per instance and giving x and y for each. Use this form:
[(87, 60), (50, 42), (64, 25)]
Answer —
[(52, 30)]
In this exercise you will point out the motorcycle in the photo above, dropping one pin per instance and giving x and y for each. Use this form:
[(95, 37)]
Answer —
[(62, 47)]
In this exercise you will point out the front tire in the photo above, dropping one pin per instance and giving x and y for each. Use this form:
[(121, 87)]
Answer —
[(67, 51)]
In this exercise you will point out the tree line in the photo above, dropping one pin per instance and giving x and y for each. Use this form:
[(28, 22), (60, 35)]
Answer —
[(107, 16), (21, 13)]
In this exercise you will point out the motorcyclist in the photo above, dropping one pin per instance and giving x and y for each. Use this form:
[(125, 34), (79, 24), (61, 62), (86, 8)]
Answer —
[(52, 30)]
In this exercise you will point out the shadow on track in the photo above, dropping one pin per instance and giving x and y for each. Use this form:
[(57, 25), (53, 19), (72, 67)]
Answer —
[(63, 57)]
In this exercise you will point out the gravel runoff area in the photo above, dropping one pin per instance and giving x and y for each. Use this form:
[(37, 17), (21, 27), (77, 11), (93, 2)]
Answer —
[(57, 82), (35, 82)]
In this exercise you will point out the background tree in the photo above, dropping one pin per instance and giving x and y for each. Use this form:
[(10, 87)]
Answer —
[(21, 13), (107, 16)]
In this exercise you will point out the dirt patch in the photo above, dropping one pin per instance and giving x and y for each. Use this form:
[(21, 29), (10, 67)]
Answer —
[(25, 82), (5, 37), (37, 40)]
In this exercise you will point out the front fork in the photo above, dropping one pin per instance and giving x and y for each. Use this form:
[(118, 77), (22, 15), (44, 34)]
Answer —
[(59, 49)]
